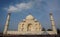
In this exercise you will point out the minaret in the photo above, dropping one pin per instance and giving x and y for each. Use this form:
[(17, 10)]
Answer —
[(53, 23), (7, 23)]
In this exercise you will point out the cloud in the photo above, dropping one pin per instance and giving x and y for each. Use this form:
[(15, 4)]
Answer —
[(12, 9), (24, 6), (19, 7)]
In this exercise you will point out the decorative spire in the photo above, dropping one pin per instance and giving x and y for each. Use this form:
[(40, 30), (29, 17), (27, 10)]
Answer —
[(30, 13)]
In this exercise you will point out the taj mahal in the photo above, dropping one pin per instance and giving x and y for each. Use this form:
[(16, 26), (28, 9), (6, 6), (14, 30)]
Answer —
[(30, 26)]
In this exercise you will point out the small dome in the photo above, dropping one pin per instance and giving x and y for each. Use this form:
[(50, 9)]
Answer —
[(35, 20), (29, 17), (23, 19)]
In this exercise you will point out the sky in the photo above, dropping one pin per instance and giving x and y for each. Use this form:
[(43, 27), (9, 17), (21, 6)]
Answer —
[(19, 9)]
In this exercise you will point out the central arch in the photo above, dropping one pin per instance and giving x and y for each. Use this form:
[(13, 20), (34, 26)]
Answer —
[(29, 27)]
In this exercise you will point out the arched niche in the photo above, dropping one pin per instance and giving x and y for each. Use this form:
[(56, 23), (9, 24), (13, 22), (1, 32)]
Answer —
[(29, 27)]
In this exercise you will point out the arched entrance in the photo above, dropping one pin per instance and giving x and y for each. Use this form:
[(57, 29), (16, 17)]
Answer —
[(29, 27)]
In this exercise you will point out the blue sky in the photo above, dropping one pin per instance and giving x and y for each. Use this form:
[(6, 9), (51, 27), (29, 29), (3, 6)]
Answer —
[(19, 9)]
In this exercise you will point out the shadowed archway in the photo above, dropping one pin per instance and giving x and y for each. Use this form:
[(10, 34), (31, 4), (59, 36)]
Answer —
[(29, 27)]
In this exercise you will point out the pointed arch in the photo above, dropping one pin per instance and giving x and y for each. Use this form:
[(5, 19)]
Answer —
[(29, 27)]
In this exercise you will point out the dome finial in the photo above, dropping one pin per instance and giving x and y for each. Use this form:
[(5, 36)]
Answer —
[(30, 13)]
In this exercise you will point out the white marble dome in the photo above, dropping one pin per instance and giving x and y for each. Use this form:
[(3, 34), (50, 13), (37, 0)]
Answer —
[(29, 17)]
